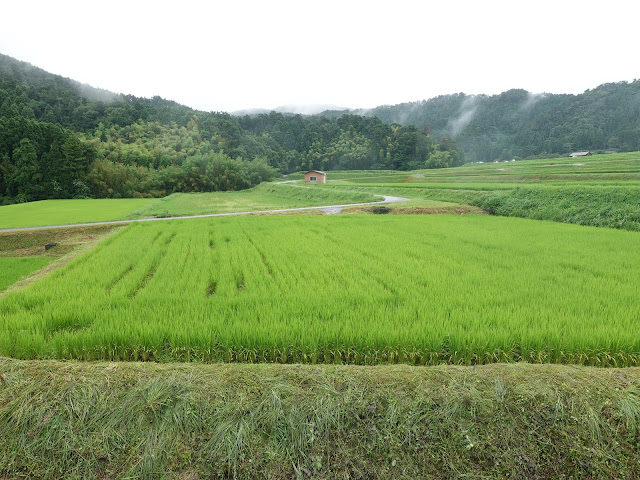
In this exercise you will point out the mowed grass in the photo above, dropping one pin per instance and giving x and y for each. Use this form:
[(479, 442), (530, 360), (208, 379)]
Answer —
[(266, 196), (61, 212), (14, 269), (348, 289), (104, 420)]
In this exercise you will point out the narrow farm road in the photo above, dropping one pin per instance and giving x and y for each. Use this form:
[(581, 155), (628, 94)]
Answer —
[(325, 208)]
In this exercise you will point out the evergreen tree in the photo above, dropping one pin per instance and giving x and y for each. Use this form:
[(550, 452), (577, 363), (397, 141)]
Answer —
[(26, 180)]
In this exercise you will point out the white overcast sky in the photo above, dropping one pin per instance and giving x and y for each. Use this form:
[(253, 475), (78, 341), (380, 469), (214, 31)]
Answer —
[(238, 54)]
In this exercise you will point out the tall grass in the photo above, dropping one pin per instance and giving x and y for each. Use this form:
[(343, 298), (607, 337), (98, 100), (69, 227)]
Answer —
[(92, 420), (613, 206), (357, 289)]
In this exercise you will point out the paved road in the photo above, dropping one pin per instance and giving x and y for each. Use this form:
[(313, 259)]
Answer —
[(325, 208)]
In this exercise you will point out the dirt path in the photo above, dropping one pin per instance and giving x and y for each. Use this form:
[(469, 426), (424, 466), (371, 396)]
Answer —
[(325, 208)]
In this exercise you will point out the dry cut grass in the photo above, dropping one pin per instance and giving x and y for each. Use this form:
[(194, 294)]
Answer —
[(134, 420)]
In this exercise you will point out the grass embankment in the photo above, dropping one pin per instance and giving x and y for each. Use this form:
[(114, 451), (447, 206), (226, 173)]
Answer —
[(128, 420), (62, 212), (266, 196), (606, 206), (598, 206), (358, 289)]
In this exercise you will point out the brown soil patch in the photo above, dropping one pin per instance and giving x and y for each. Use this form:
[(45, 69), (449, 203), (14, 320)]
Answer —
[(29, 243)]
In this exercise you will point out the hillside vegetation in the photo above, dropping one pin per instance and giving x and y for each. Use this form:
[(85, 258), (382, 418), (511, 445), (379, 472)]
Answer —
[(522, 124), (61, 139)]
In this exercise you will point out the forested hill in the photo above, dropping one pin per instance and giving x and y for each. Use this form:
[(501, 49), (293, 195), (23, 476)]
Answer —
[(520, 124), (62, 139)]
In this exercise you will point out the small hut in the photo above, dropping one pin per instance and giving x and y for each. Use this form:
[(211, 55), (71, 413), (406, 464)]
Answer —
[(315, 176), (579, 154)]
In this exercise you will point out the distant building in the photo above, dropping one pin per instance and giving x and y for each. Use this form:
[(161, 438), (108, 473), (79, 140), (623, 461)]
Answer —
[(580, 154), (315, 176)]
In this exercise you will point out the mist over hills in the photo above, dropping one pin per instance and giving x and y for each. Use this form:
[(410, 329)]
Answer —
[(313, 109), (517, 123)]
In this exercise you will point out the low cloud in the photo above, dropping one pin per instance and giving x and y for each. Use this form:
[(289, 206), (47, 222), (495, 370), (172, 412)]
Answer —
[(466, 113), (307, 109), (531, 100)]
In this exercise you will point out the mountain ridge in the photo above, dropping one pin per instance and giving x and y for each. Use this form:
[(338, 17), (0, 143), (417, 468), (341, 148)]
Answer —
[(512, 124)]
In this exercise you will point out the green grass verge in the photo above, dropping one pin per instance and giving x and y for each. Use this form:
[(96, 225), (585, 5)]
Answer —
[(14, 269), (266, 196), (122, 420), (61, 212)]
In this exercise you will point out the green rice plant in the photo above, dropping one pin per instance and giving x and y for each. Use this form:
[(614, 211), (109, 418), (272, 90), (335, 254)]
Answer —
[(357, 289), (13, 269)]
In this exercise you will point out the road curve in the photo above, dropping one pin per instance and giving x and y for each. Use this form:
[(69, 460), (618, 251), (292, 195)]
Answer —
[(328, 208)]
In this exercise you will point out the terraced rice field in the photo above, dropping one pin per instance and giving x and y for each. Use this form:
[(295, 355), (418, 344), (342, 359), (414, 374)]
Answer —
[(621, 168), (599, 190), (263, 197), (357, 289)]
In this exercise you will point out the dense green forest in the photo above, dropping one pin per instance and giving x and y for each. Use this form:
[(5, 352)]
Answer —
[(519, 124), (63, 139)]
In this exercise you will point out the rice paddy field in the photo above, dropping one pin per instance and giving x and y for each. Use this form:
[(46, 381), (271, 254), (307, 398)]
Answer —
[(14, 269), (360, 289), (263, 197), (615, 168)]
